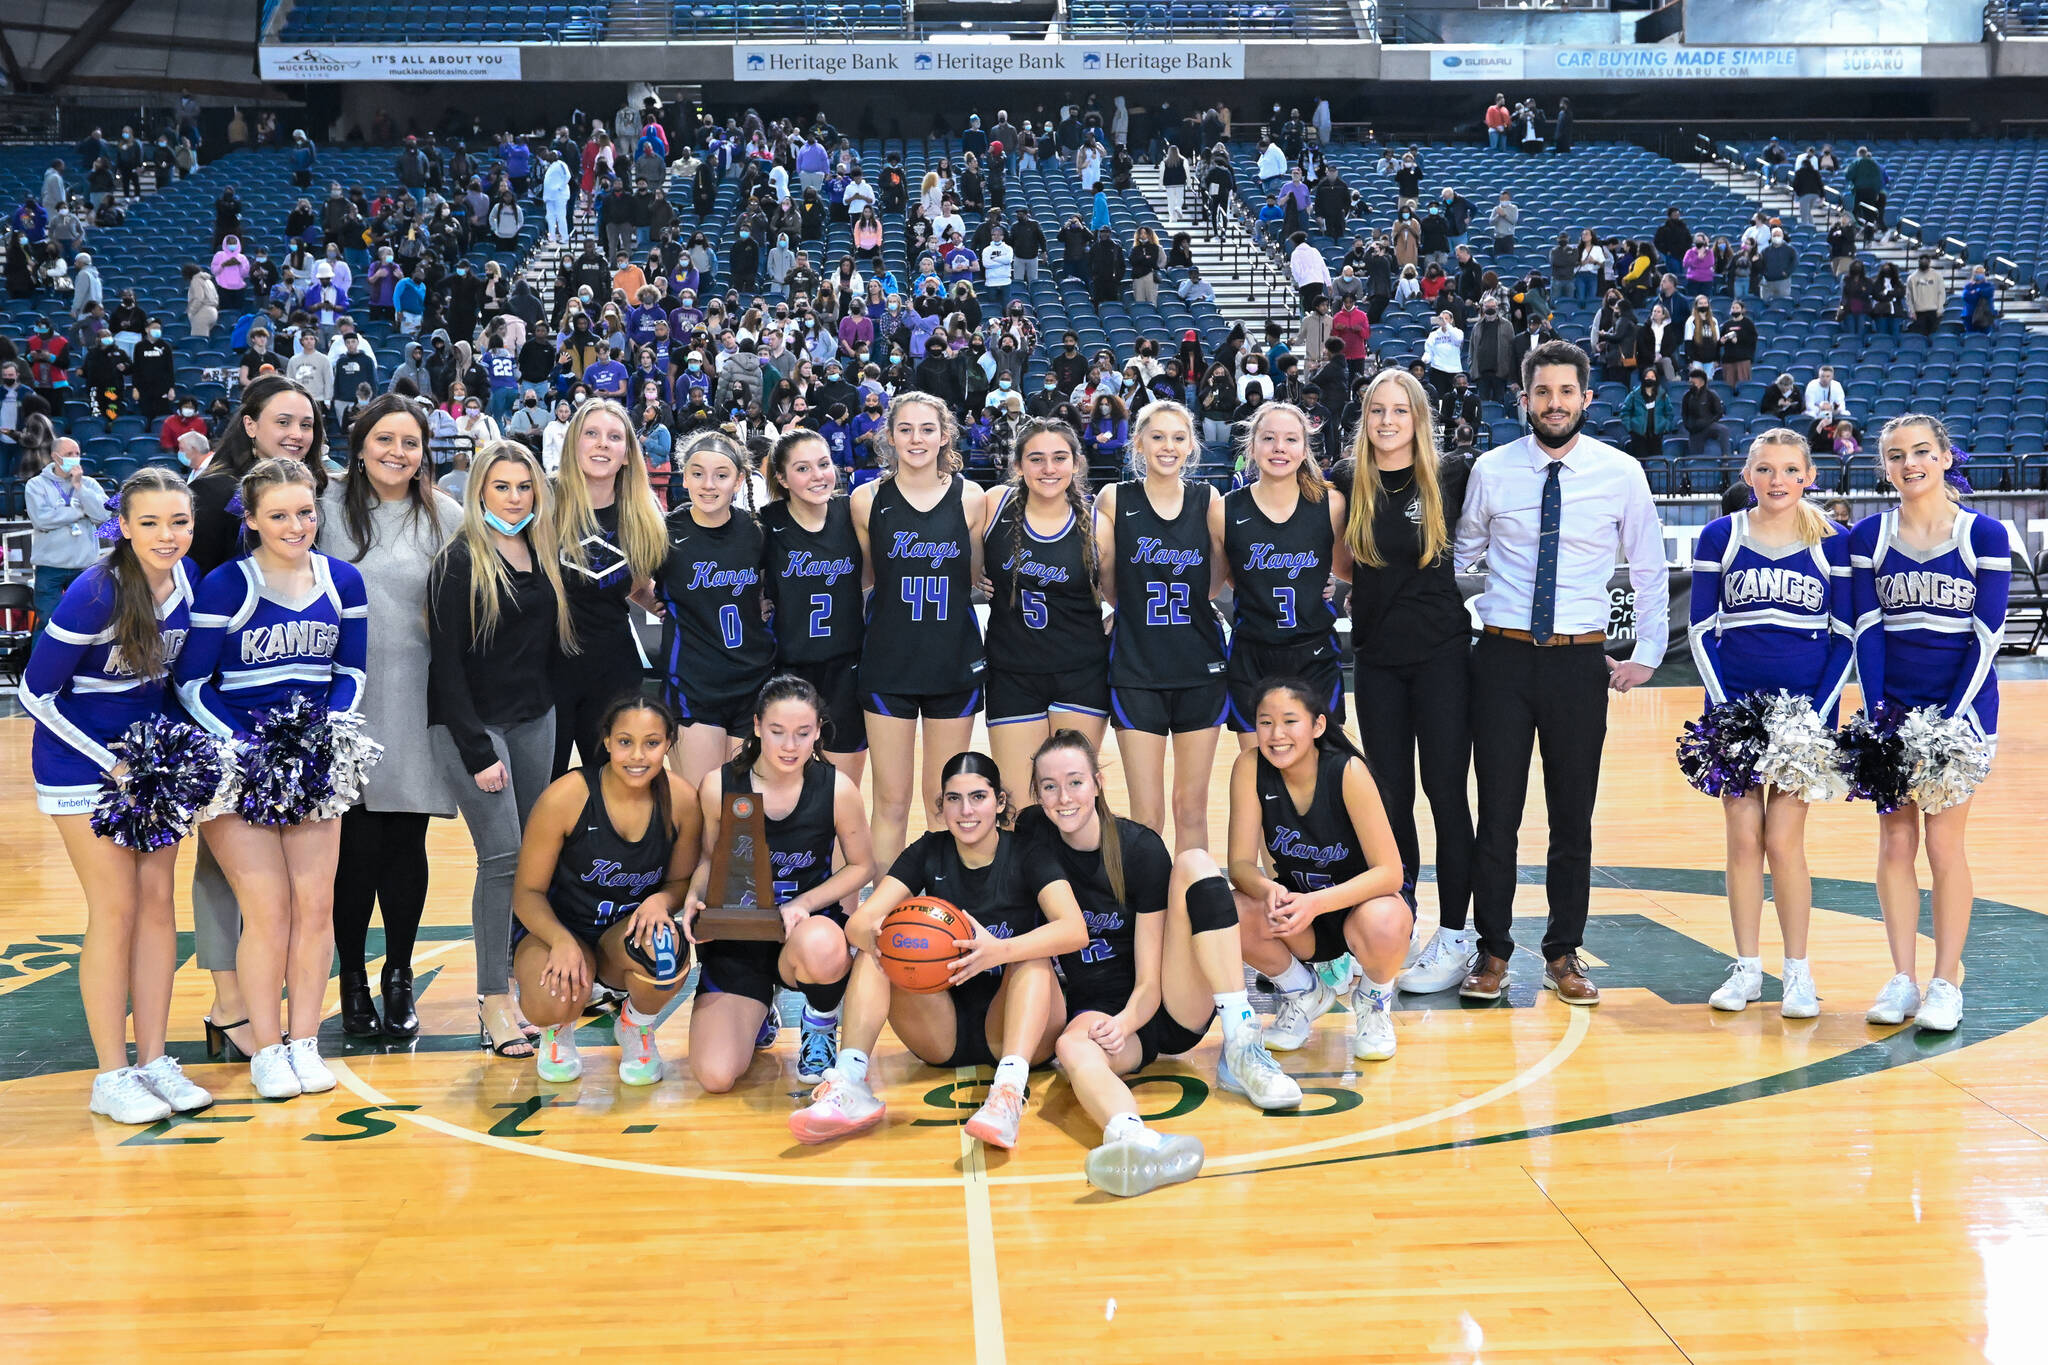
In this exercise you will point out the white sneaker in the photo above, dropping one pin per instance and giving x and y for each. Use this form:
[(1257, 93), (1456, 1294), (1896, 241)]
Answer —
[(1801, 1000), (556, 1059), (1297, 1014), (123, 1097), (1143, 1163), (1942, 1010), (1417, 943), (999, 1117), (1896, 1003), (167, 1079), (639, 1058), (1372, 1032), (313, 1074), (839, 1107), (270, 1071), (1447, 959), (1249, 1070), (1744, 984)]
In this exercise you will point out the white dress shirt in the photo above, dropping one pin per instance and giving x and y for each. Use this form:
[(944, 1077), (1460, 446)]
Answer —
[(1828, 396), (1606, 508)]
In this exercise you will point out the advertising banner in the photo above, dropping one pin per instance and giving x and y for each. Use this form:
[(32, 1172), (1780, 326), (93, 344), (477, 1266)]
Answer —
[(987, 61), (1670, 61), (415, 62)]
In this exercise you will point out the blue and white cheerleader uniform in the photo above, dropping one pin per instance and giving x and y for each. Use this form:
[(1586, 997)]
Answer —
[(251, 650), (84, 696), (1771, 618), (1928, 622)]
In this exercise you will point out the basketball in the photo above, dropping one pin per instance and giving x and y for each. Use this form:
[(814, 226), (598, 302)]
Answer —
[(918, 939)]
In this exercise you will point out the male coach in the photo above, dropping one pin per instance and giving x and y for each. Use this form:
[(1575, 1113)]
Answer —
[(1547, 513)]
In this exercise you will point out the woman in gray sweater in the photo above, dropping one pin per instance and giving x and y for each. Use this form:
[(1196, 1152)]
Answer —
[(385, 516)]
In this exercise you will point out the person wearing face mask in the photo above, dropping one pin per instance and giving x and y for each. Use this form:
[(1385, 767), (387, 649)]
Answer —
[(64, 507), (746, 261), (1778, 261)]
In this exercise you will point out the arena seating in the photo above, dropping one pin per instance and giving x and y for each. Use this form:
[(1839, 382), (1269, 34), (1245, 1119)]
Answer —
[(1326, 18), (344, 21)]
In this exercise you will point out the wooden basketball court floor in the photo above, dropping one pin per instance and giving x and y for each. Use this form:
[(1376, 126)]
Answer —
[(1648, 1181)]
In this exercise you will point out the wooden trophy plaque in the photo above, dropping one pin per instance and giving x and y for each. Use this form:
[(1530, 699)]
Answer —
[(740, 901)]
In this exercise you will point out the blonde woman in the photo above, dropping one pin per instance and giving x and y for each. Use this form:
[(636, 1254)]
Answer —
[(612, 537), (1161, 564), (497, 610), (1770, 612), (1412, 639)]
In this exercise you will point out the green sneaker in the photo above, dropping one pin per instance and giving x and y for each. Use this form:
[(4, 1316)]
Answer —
[(639, 1058), (557, 1058)]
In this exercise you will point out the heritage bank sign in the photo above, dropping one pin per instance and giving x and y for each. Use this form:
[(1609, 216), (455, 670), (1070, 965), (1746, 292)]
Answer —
[(987, 61)]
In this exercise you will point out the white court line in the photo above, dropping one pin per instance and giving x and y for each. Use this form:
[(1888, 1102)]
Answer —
[(984, 1290), (1575, 1033)]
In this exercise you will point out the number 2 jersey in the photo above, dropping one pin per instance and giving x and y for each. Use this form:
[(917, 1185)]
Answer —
[(814, 583), (1766, 618), (1278, 571), (922, 636), (1928, 622), (1043, 615)]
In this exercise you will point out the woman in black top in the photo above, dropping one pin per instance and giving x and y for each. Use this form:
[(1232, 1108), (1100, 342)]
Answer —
[(496, 611), (1412, 634), (609, 528), (813, 566)]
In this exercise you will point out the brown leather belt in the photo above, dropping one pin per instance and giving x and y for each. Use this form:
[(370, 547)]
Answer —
[(1591, 637)]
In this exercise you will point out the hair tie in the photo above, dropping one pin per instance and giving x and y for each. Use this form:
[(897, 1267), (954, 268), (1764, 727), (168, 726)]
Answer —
[(1954, 476)]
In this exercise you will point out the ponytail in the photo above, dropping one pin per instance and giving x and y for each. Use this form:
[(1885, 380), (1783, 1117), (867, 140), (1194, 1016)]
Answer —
[(1112, 837), (783, 687), (1812, 523)]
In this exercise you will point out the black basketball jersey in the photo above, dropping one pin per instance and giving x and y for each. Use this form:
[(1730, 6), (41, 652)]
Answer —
[(1315, 848), (1278, 570), (710, 589), (597, 590), (922, 636), (1104, 972), (1167, 634), (1043, 616), (599, 877), (1003, 896), (813, 583), (800, 843)]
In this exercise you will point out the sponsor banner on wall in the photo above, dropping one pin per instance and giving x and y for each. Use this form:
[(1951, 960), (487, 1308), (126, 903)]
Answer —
[(1670, 61), (416, 62), (987, 61)]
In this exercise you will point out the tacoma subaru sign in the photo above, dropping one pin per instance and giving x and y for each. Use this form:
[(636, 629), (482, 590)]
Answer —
[(987, 61), (1670, 61)]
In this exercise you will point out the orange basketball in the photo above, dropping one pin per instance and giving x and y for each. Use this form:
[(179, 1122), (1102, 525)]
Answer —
[(917, 941)]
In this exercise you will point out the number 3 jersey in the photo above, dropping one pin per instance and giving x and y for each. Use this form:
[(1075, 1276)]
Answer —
[(1167, 634), (716, 643), (1278, 570), (814, 583), (922, 636), (1043, 616)]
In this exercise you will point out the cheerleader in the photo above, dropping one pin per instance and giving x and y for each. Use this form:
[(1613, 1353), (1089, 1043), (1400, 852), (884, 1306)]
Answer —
[(813, 563), (608, 524), (277, 420), (1161, 565), (1304, 804), (1929, 581), (1004, 1006), (284, 622), (716, 640), (1411, 636), (497, 613), (99, 668), (1163, 960), (920, 528), (1045, 608), (607, 852), (1770, 612), (1283, 542), (810, 809)]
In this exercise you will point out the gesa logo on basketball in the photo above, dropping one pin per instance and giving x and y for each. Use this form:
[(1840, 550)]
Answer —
[(910, 545), (1152, 550), (709, 575), (899, 939), (1289, 843), (1263, 556)]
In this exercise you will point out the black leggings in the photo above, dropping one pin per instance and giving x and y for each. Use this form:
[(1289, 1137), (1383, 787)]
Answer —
[(1419, 711), (584, 685), (383, 864)]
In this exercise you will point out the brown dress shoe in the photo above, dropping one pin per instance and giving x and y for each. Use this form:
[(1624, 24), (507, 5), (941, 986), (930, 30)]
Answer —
[(1487, 980), (1567, 976)]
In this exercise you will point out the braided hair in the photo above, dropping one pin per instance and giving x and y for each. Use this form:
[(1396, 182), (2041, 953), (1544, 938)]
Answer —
[(1077, 499)]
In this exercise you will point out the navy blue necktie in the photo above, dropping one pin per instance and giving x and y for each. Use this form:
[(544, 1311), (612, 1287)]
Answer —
[(1543, 605)]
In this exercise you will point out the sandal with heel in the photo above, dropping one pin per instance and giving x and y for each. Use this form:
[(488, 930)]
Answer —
[(518, 1046), (219, 1045)]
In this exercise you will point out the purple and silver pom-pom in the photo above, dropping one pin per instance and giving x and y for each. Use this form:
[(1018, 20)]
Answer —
[(108, 531), (234, 507), (1873, 758), (1799, 753), (1718, 753), (351, 756), (1945, 759), (175, 770), (286, 766)]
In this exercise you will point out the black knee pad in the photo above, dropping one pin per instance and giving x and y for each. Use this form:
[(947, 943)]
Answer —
[(1211, 906), (824, 997)]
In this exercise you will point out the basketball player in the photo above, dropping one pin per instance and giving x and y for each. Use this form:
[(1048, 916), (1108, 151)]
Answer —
[(814, 566)]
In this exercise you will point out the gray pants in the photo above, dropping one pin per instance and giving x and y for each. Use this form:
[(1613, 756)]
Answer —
[(496, 821), (216, 914)]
